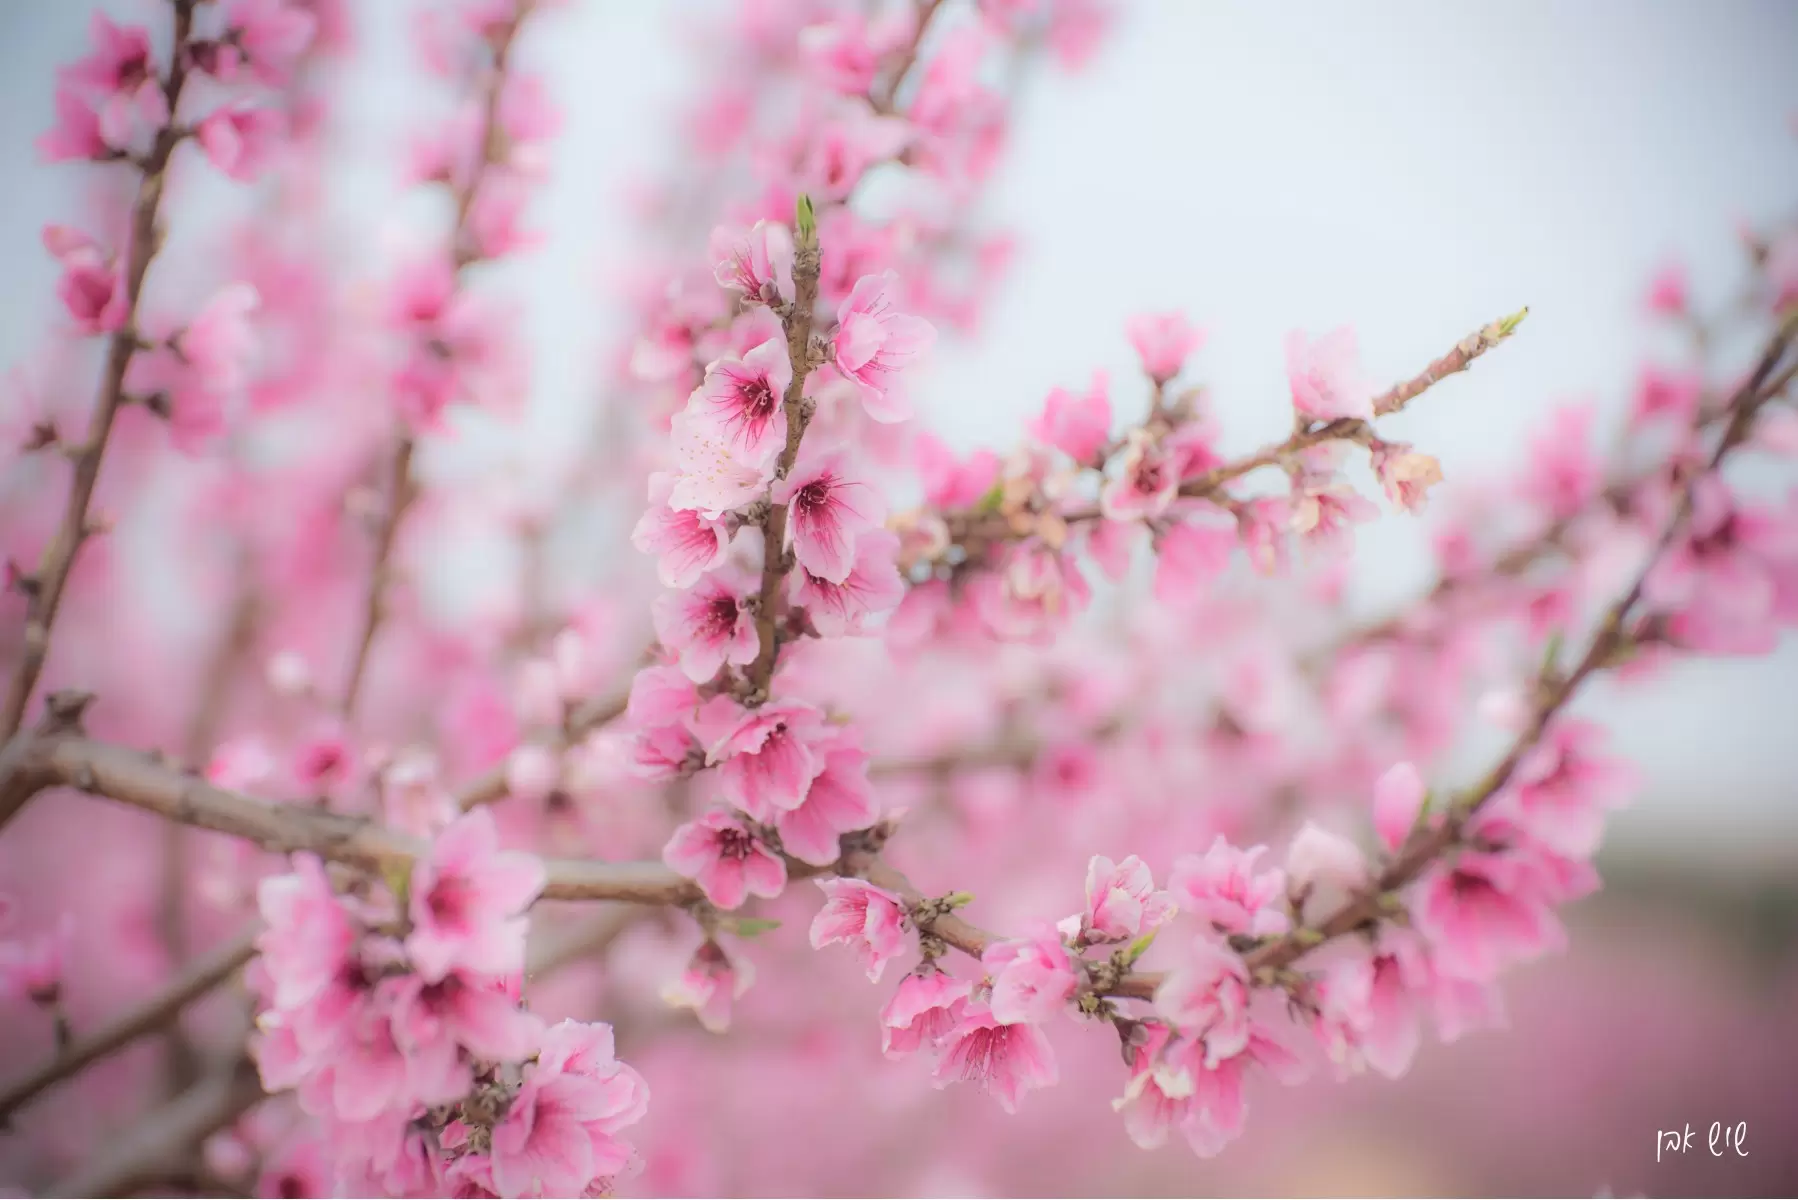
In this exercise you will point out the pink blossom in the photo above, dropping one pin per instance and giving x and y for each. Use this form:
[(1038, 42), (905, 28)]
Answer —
[(873, 342), (925, 1009), (218, 342), (76, 133), (711, 984), (1406, 475), (467, 903), (1564, 474), (758, 263), (1663, 394), (827, 510), (867, 919), (272, 35), (559, 1134), (728, 862), (838, 801), (710, 479), (1121, 901), (32, 968), (308, 935), (951, 482), (1398, 799), (1034, 594), (1145, 483), (1323, 510), (1562, 788), (834, 153), (707, 626), (1206, 995), (481, 1019), (1163, 342), (1005, 1059), (1172, 1086), (768, 758), (118, 85), (1192, 550), (1224, 888), (872, 587), (1326, 376), (1319, 858), (1668, 292), (92, 288), (1078, 426), (845, 53), (239, 139), (1485, 912), (1033, 978), (740, 403), (685, 543)]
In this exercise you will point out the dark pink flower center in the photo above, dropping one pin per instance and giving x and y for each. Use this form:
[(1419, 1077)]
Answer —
[(132, 72), (813, 496), (720, 617), (735, 844), (1469, 888), (448, 900)]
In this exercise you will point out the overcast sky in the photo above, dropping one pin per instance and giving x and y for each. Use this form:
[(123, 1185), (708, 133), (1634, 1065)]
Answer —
[(1415, 168)]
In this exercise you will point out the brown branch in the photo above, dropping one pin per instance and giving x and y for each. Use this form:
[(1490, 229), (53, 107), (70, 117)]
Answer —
[(798, 323), (161, 1009), (971, 530), (46, 585), (65, 758), (170, 1133), (1553, 693)]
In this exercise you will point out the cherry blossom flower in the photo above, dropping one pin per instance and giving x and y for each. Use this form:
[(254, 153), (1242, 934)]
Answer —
[(759, 264), (1164, 342), (92, 288), (1144, 485), (1206, 995), (1223, 887), (708, 626), (1326, 376), (1398, 798), (927, 1007), (467, 901), (768, 757), (827, 511), (872, 343), (239, 139), (1078, 426), (867, 919), (837, 801), (1005, 1059), (1033, 978), (740, 403), (1121, 901), (728, 862), (711, 983), (873, 586), (558, 1135)]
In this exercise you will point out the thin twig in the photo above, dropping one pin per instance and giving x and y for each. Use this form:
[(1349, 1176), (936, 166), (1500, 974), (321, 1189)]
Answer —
[(159, 1010), (47, 584)]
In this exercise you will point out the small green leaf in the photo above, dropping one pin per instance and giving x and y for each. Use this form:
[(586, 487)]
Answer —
[(1139, 947), (805, 219), (398, 875), (1509, 325), (989, 503), (959, 899), (753, 926)]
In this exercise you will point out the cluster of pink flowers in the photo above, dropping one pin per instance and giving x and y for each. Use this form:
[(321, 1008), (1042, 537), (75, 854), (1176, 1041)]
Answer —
[(399, 1028), (863, 646)]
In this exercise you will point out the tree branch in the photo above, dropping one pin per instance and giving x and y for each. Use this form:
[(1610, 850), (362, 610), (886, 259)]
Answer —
[(47, 584), (159, 1010)]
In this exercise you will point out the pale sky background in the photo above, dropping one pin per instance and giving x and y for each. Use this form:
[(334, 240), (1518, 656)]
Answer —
[(1415, 168)]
